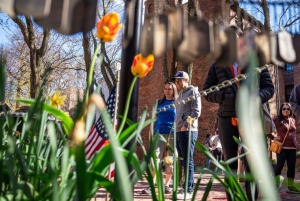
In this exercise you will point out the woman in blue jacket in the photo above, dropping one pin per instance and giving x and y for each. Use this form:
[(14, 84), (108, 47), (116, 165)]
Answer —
[(164, 126)]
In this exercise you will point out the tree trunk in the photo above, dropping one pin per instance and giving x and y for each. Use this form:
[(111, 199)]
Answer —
[(165, 67), (32, 73), (192, 13), (266, 12), (36, 54), (18, 95), (87, 57), (108, 65), (174, 64), (189, 70), (104, 66), (105, 76)]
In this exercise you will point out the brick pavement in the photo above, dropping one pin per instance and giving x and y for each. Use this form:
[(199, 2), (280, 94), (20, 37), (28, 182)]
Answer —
[(217, 192)]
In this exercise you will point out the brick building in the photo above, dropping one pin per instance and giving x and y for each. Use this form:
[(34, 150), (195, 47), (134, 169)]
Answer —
[(151, 86)]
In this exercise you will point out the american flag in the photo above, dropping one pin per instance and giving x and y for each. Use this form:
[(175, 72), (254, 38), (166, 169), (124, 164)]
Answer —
[(97, 137)]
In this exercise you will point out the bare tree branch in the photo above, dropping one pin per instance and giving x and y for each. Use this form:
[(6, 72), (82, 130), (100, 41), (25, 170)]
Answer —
[(292, 22), (45, 41), (283, 15), (266, 12), (23, 29), (31, 35)]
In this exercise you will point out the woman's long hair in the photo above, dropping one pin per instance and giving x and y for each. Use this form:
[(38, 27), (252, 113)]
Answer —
[(175, 93), (280, 116)]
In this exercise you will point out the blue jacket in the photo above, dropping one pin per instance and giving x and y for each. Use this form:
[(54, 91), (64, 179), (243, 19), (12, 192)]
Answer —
[(165, 119)]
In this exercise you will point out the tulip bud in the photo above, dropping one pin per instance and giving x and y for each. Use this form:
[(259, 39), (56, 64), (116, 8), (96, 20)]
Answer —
[(108, 27), (141, 66)]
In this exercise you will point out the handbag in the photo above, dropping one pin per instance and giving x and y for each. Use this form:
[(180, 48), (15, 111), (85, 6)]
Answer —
[(276, 146)]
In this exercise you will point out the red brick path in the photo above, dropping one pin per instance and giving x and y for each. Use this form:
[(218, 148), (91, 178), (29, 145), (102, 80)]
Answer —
[(217, 192)]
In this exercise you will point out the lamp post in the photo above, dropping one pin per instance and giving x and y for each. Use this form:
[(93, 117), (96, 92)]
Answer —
[(131, 43)]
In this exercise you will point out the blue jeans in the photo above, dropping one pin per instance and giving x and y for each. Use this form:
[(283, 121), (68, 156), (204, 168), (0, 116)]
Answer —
[(182, 148), (207, 163)]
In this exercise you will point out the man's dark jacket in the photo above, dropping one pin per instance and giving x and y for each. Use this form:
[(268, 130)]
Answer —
[(226, 96)]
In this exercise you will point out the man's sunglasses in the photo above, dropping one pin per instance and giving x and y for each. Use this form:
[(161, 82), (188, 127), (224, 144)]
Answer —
[(288, 109)]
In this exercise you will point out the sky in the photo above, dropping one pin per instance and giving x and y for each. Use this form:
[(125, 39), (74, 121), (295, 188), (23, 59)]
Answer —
[(3, 38), (3, 16), (252, 9), (275, 12)]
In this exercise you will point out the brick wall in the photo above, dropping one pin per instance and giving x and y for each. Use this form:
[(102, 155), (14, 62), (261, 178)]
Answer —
[(281, 78), (288, 78), (296, 76), (151, 87)]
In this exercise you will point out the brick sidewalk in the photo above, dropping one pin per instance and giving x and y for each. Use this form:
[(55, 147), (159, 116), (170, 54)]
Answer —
[(217, 192)]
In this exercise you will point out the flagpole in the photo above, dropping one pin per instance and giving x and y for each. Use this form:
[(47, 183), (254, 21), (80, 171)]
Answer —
[(115, 120)]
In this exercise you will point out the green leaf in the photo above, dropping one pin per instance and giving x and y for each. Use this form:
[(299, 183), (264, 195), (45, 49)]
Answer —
[(207, 189), (197, 185), (130, 133), (109, 186), (81, 172), (53, 160), (209, 155), (65, 169), (102, 160), (121, 166), (61, 115), (128, 121)]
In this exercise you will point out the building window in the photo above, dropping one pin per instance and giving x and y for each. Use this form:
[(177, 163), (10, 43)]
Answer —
[(288, 67), (288, 90)]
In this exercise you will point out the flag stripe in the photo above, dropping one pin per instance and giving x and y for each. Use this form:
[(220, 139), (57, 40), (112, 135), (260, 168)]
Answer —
[(93, 139), (91, 135), (96, 147), (97, 136), (90, 148)]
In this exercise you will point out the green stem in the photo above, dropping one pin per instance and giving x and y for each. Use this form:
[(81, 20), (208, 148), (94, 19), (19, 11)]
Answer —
[(90, 75), (127, 106)]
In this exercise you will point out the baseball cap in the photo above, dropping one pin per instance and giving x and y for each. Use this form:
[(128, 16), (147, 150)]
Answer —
[(181, 74)]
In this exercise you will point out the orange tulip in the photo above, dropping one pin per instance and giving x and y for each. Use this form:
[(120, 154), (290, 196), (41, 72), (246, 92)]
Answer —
[(141, 66), (108, 27)]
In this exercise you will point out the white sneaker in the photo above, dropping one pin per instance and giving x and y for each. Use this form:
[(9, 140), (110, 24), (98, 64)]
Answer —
[(180, 195)]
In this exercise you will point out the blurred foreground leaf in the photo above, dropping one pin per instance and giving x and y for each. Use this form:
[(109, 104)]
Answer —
[(61, 115)]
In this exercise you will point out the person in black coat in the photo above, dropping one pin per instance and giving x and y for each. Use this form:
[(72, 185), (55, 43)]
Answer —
[(226, 98)]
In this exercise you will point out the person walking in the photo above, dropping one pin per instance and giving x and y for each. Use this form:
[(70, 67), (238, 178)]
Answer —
[(227, 121), (286, 133), (185, 109), (164, 126), (208, 147)]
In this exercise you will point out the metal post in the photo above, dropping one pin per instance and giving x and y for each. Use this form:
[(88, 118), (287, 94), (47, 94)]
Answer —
[(128, 53), (131, 43)]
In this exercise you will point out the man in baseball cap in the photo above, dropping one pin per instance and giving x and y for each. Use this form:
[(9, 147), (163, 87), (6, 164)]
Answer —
[(184, 110), (181, 74)]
